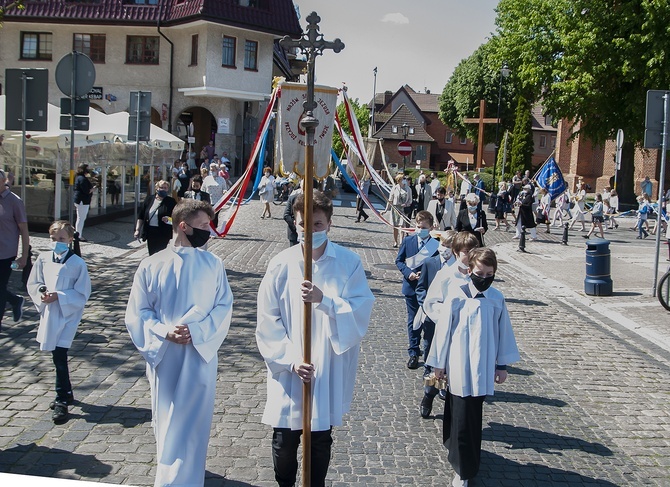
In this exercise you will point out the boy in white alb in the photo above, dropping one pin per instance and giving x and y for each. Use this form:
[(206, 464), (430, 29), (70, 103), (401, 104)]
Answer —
[(472, 346), (59, 286), (341, 308)]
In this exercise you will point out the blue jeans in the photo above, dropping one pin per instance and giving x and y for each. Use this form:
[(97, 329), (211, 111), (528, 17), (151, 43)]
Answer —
[(640, 228), (413, 335)]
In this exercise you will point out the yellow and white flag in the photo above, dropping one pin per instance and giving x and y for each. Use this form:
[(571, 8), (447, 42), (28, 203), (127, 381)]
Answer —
[(291, 136)]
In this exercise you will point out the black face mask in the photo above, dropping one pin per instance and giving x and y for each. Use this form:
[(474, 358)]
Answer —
[(196, 190), (481, 283), (198, 238)]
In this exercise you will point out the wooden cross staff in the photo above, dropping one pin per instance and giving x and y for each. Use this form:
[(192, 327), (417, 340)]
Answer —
[(480, 138), (311, 44)]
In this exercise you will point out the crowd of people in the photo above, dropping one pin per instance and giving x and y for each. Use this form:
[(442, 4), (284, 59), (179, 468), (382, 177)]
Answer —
[(180, 308)]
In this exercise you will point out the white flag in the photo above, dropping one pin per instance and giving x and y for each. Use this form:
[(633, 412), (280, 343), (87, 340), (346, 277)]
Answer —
[(291, 143)]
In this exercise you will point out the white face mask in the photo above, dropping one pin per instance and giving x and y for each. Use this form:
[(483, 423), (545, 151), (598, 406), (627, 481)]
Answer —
[(461, 266), (318, 238), (445, 252)]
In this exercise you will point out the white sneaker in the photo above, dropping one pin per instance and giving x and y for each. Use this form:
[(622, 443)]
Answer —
[(459, 482)]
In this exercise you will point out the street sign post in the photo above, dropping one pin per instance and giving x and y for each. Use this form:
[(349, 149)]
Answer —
[(619, 146), (75, 76), (404, 149)]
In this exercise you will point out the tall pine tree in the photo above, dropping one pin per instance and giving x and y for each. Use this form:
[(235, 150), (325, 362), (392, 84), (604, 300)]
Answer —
[(521, 153)]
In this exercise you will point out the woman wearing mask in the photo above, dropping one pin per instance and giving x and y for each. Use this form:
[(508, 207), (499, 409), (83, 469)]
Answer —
[(502, 205), (153, 223), (399, 198), (471, 219), (83, 191)]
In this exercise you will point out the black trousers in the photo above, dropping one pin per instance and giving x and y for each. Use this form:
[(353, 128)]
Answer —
[(462, 433), (285, 444), (5, 295), (360, 207), (63, 386)]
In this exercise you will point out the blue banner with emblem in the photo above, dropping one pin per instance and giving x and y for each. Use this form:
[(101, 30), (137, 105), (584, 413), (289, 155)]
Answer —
[(550, 178)]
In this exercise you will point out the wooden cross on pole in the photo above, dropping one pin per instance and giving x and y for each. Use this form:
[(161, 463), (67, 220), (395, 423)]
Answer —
[(480, 138), (311, 44)]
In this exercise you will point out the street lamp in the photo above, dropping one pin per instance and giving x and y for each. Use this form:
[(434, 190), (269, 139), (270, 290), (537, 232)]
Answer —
[(405, 132), (504, 73)]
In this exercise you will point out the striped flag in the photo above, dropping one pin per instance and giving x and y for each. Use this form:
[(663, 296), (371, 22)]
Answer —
[(551, 178)]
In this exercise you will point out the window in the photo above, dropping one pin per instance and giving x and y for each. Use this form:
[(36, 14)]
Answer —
[(251, 55), (394, 129), (449, 138), (93, 45), (142, 49), (548, 120), (552, 140), (229, 46), (194, 50), (141, 2), (543, 141), (36, 45), (411, 131), (463, 140)]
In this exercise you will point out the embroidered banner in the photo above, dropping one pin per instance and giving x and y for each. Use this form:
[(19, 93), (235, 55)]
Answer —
[(291, 143)]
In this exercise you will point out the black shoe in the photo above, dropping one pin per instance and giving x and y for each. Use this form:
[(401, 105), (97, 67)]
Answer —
[(82, 239), (69, 402), (17, 310), (442, 394), (427, 370), (60, 414), (426, 406), (413, 362)]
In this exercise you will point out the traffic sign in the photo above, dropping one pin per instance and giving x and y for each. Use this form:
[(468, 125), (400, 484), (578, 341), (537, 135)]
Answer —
[(36, 83), (404, 148), (78, 66)]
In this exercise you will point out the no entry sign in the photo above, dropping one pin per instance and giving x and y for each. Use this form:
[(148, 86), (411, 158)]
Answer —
[(404, 148)]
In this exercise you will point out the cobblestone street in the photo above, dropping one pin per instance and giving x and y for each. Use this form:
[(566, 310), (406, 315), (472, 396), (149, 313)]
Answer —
[(589, 403)]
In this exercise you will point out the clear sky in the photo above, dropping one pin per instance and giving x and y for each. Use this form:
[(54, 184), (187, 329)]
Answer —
[(417, 42)]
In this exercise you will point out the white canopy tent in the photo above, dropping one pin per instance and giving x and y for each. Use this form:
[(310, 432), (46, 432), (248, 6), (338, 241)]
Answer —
[(104, 145)]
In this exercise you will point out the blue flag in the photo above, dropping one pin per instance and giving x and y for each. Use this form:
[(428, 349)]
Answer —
[(551, 178)]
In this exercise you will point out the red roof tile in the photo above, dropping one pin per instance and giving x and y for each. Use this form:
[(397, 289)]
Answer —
[(273, 16)]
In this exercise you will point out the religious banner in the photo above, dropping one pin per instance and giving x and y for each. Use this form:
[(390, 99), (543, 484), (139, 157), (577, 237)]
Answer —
[(291, 136)]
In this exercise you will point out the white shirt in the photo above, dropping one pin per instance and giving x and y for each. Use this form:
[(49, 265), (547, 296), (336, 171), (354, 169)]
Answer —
[(339, 324)]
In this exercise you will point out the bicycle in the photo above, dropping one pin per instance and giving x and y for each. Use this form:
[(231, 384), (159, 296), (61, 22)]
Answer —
[(663, 290), (284, 189)]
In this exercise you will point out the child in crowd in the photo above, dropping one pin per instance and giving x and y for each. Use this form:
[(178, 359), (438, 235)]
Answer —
[(59, 286), (643, 211), (473, 344), (597, 217)]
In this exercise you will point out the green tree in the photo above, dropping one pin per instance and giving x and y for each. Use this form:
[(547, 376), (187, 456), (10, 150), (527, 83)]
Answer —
[(362, 114), (521, 153), (591, 62), (475, 78), (8, 6)]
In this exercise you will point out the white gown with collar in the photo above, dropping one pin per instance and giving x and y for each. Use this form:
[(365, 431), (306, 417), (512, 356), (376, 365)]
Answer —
[(472, 335), (59, 320), (180, 285), (339, 324)]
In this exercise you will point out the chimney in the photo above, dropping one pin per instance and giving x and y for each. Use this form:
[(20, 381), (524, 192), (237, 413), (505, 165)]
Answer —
[(387, 97)]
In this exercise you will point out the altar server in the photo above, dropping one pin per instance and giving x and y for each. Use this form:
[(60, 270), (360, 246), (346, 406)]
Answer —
[(342, 304), (178, 315), (473, 344), (59, 286)]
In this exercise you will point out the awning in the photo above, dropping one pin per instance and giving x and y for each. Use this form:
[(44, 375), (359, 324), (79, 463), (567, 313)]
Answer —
[(462, 157)]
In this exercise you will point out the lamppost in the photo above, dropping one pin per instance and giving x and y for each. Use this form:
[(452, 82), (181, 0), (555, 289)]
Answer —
[(405, 133), (504, 73)]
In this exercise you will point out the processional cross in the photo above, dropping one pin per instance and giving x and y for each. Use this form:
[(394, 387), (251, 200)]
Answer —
[(311, 44), (480, 138)]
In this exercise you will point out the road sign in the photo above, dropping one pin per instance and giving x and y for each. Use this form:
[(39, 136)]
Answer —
[(653, 120), (78, 66), (140, 106), (68, 122), (35, 97), (81, 107), (404, 148)]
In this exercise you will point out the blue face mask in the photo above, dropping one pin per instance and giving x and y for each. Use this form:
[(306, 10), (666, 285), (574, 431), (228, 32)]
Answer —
[(423, 232), (162, 193), (472, 209), (59, 247), (318, 238)]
